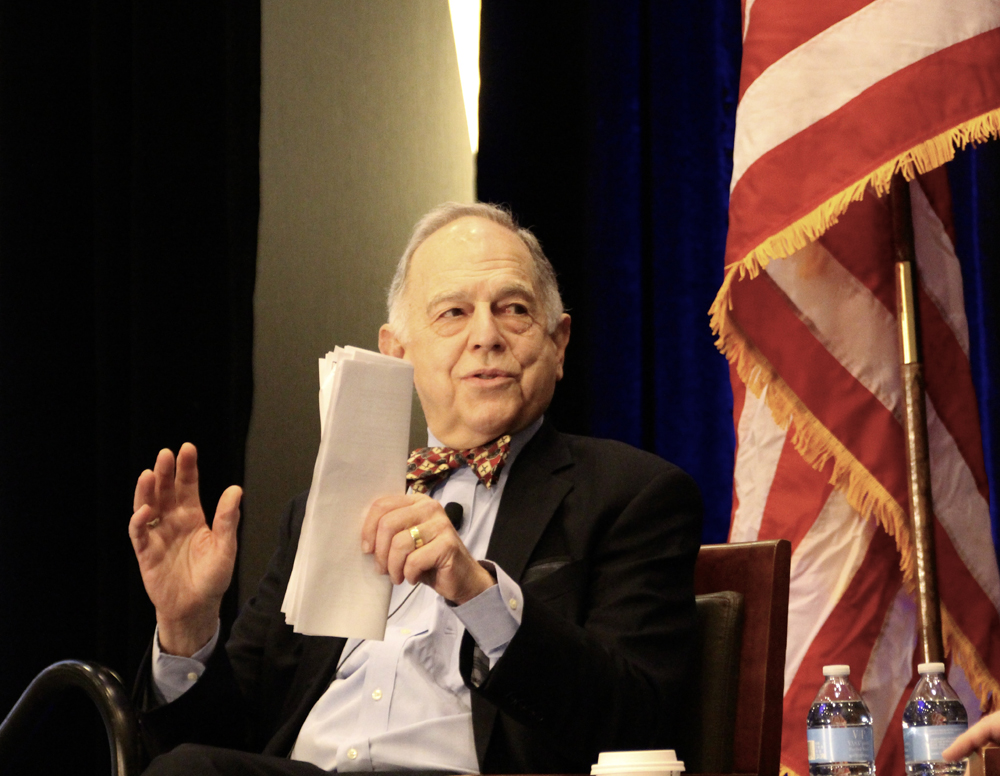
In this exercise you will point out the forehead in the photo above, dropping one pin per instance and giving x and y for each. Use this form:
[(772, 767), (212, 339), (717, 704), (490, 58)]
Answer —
[(468, 251)]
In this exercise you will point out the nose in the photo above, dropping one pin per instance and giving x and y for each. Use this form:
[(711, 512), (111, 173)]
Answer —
[(484, 332)]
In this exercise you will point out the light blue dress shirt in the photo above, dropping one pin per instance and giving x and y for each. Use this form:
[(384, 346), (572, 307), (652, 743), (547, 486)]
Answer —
[(401, 703)]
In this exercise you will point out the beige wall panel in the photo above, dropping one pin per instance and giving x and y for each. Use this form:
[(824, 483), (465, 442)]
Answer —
[(363, 129)]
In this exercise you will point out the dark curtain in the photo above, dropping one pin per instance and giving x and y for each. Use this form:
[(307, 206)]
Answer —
[(128, 227), (975, 186), (609, 129)]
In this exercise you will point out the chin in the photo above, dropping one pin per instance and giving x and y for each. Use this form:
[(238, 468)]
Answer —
[(488, 429)]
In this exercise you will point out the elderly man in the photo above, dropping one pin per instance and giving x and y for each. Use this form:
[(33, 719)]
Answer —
[(551, 620)]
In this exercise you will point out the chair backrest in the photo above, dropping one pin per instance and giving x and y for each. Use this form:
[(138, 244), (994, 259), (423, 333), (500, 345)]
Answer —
[(758, 571), (709, 746)]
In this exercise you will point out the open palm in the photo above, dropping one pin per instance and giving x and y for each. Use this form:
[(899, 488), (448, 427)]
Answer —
[(186, 566)]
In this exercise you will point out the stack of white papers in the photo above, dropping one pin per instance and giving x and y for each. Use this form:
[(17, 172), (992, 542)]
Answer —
[(364, 409)]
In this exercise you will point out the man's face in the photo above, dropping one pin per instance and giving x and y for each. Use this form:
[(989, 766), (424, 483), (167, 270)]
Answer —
[(483, 361)]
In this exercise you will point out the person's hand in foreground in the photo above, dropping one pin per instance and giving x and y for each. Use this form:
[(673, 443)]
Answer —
[(186, 566), (983, 732), (442, 560)]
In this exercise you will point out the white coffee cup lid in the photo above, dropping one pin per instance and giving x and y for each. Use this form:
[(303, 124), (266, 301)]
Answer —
[(640, 761)]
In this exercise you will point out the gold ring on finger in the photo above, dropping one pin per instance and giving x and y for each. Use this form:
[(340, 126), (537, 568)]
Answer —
[(418, 540)]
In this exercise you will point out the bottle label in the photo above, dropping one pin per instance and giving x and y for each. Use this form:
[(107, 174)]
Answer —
[(925, 744), (841, 744)]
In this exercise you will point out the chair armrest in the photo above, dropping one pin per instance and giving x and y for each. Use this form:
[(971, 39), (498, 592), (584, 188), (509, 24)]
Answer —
[(102, 686)]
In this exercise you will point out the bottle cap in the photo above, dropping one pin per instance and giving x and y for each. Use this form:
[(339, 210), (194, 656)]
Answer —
[(930, 668), (837, 670)]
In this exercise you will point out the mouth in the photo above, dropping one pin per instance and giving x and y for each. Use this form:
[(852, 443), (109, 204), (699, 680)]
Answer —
[(489, 376)]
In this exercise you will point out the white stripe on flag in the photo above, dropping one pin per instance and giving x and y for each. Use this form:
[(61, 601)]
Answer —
[(960, 683), (845, 317), (832, 68), (890, 666), (746, 17), (761, 443), (823, 565)]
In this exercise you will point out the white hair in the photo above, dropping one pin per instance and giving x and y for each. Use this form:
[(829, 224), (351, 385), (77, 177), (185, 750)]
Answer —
[(442, 215)]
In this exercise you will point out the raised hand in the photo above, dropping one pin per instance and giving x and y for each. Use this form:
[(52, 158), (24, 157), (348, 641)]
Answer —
[(186, 566), (441, 561)]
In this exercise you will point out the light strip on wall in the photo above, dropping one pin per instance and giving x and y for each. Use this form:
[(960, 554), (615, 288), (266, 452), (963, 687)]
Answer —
[(465, 26)]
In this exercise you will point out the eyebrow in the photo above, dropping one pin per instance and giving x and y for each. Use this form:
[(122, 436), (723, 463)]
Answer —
[(511, 289)]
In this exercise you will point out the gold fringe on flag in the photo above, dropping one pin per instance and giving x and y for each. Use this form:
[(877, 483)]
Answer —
[(813, 441), (967, 656), (818, 446), (920, 159)]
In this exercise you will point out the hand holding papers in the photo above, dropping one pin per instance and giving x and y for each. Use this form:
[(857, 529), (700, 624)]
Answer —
[(365, 400)]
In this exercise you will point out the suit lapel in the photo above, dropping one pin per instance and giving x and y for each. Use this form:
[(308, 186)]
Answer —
[(531, 496), (315, 673)]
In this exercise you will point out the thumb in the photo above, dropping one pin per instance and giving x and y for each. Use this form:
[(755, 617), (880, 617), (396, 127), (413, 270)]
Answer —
[(227, 515)]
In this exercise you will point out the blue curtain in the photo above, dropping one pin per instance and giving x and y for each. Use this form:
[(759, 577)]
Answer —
[(610, 130), (975, 186)]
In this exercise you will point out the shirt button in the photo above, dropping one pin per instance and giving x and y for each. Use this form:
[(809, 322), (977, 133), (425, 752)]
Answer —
[(513, 603), (405, 631), (352, 754), (377, 695), (192, 677)]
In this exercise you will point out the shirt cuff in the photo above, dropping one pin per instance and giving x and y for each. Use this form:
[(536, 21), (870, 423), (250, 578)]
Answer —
[(174, 675), (493, 617)]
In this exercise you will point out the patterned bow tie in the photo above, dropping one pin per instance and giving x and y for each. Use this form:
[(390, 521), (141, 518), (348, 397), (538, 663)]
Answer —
[(429, 465)]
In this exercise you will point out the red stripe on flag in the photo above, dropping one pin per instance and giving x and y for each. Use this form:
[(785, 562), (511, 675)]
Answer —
[(949, 386), (847, 636), (861, 242), (842, 404), (739, 400), (892, 117), (778, 27), (889, 757), (796, 497)]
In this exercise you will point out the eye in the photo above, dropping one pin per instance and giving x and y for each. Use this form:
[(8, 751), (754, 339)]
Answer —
[(453, 312), (516, 308)]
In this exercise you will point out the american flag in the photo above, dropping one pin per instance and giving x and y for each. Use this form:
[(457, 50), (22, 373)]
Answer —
[(834, 98)]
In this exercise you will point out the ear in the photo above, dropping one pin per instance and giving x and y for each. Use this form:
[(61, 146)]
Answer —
[(388, 342), (561, 339)]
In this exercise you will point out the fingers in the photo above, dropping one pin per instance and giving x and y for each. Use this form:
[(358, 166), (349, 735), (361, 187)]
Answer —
[(163, 472), (405, 560), (983, 732), (379, 509), (138, 528), (144, 490), (186, 476), (394, 516)]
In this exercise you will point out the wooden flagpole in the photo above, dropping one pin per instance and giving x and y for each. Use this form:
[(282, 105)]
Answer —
[(915, 423)]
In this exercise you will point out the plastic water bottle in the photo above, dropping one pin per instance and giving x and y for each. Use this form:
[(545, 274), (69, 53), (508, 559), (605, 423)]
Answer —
[(933, 718), (839, 729)]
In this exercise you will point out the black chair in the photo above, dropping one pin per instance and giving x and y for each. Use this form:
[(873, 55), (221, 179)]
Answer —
[(102, 686)]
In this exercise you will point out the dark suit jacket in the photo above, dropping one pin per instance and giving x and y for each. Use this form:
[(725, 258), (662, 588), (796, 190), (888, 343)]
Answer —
[(602, 538)]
